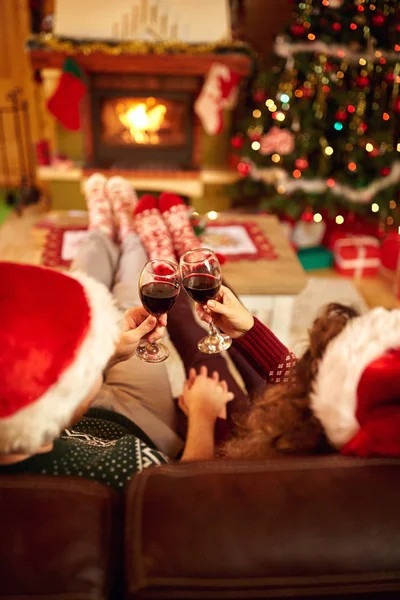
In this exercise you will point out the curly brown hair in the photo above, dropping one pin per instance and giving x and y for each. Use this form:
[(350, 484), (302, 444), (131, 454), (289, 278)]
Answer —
[(281, 421)]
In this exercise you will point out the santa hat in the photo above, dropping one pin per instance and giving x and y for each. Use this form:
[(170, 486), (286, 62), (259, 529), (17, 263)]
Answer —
[(357, 389), (57, 333)]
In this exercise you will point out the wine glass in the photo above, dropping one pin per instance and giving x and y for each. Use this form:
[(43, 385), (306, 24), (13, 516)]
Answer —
[(201, 278), (159, 286)]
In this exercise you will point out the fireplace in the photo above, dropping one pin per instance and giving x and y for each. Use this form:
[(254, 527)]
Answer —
[(142, 123)]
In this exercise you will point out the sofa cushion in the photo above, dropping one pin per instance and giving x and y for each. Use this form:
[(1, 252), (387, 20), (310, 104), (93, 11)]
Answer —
[(289, 527), (59, 538)]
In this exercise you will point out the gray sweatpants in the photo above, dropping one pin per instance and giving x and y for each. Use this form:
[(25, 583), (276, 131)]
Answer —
[(136, 389)]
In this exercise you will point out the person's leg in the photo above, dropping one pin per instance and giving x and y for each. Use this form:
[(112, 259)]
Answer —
[(175, 215), (141, 392), (152, 229), (123, 200), (132, 259), (185, 332), (98, 255), (136, 389)]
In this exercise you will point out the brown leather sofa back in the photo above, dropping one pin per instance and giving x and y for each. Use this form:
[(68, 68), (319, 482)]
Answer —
[(59, 538), (286, 528)]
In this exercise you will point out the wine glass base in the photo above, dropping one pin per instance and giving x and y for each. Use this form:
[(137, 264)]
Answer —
[(213, 344), (152, 353)]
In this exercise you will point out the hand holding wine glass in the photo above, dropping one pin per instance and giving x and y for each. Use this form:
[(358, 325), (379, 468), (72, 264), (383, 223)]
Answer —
[(201, 277), (228, 314), (159, 286)]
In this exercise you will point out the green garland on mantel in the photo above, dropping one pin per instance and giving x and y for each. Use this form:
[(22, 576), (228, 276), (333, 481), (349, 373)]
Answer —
[(49, 42)]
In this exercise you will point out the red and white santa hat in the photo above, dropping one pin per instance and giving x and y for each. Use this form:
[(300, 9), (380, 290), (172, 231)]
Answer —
[(357, 389), (57, 333)]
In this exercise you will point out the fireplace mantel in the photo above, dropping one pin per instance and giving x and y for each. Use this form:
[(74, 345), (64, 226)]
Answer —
[(158, 64), (205, 181)]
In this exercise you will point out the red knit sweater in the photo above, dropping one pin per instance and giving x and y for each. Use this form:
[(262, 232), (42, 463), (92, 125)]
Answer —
[(267, 355)]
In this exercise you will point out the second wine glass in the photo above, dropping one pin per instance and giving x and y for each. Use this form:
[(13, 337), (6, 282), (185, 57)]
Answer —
[(159, 286), (201, 277)]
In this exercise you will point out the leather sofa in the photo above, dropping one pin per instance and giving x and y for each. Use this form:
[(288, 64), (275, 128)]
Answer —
[(305, 528)]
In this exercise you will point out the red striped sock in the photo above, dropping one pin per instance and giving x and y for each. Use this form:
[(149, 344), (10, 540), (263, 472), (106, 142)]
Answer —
[(175, 215), (153, 232)]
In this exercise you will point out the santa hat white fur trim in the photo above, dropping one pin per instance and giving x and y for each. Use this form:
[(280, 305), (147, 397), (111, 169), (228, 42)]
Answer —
[(42, 421), (363, 340)]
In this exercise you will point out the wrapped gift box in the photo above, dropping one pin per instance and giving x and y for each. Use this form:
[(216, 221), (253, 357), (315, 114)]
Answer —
[(357, 256), (391, 261), (391, 251), (315, 258)]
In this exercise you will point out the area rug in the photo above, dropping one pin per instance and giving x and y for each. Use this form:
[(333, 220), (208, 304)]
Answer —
[(318, 292)]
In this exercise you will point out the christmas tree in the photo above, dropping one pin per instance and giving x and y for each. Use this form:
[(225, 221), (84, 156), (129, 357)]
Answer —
[(321, 133)]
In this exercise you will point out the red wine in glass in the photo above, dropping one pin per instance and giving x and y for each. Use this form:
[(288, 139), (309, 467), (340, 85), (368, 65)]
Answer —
[(202, 287), (201, 277), (158, 297), (159, 286)]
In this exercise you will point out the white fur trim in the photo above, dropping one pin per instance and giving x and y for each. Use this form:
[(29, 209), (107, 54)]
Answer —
[(43, 421), (334, 399)]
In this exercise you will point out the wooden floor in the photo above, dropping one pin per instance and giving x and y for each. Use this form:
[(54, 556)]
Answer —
[(20, 243)]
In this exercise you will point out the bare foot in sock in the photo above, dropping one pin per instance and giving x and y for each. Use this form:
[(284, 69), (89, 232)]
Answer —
[(123, 200), (152, 230), (175, 214), (99, 208)]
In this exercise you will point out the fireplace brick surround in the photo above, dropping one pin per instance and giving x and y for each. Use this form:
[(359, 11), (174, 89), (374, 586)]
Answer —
[(175, 76)]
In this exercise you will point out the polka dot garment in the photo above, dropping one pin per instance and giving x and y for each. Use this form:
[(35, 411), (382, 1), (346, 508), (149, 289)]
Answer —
[(104, 446)]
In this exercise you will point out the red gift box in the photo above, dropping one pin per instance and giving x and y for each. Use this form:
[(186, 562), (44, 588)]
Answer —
[(391, 251), (357, 256), (391, 260)]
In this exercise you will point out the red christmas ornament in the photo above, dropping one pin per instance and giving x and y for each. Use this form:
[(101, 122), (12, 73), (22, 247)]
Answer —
[(237, 141), (307, 92), (362, 82), (307, 216), (385, 171), (378, 20), (298, 30), (254, 137), (396, 105), (363, 127), (243, 169), (336, 26), (341, 115), (301, 163), (259, 96), (390, 77)]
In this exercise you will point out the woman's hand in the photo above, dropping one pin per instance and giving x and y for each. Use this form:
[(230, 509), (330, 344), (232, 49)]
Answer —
[(228, 314), (204, 397), (138, 324)]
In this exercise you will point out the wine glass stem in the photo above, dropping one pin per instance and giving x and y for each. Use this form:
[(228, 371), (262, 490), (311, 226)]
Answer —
[(212, 329)]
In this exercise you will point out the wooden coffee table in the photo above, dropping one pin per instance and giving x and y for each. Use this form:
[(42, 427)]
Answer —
[(267, 287)]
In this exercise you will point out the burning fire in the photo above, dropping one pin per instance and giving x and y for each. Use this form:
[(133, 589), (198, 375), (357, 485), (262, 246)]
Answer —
[(143, 119)]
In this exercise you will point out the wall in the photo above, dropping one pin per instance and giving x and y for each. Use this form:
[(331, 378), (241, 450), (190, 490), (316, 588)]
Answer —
[(262, 21)]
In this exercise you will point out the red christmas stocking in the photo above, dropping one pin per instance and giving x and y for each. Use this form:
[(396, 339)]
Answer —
[(64, 103), (217, 94)]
